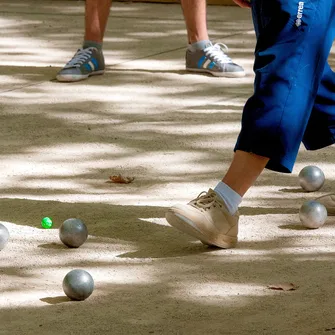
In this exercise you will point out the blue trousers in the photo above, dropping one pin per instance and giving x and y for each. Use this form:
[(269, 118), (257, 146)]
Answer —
[(294, 87)]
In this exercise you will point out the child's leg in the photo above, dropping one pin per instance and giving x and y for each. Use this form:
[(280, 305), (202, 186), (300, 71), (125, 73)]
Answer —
[(244, 164), (89, 61), (320, 131), (96, 17), (294, 41), (196, 19), (201, 55)]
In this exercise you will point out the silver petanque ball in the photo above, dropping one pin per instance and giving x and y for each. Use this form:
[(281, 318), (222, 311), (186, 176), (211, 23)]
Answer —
[(311, 178), (78, 284), (4, 236), (312, 214), (73, 233)]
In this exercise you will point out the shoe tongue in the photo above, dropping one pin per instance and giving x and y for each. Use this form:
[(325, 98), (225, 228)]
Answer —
[(207, 45)]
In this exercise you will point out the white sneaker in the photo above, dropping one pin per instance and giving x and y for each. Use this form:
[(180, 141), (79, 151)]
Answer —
[(207, 219)]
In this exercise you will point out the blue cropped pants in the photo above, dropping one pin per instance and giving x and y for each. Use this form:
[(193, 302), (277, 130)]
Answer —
[(294, 87)]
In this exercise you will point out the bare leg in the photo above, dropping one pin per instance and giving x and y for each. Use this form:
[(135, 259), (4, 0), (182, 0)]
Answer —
[(216, 62), (195, 18), (89, 59), (96, 18), (244, 170)]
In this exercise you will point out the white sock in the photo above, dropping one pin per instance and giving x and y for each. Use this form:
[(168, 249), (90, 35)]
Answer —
[(231, 198)]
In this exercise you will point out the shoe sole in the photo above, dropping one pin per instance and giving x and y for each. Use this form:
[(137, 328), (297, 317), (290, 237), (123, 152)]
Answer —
[(238, 74), (330, 210), (73, 78), (177, 221)]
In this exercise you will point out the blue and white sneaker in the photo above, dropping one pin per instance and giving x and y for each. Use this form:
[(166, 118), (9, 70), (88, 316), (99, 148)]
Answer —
[(213, 60), (85, 63)]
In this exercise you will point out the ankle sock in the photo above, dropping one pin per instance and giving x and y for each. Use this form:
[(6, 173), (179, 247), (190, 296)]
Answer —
[(231, 198), (88, 44), (200, 45)]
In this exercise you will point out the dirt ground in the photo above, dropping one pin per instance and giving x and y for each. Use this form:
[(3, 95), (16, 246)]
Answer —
[(174, 132)]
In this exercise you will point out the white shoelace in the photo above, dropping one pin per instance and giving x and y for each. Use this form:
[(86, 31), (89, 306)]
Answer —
[(217, 51), (79, 58), (206, 200)]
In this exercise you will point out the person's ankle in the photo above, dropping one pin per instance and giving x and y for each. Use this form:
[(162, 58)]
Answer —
[(199, 45), (231, 198), (92, 44)]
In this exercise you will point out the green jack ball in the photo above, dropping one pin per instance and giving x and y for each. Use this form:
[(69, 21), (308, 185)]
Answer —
[(46, 223)]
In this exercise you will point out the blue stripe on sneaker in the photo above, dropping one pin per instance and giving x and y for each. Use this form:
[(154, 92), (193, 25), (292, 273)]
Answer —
[(88, 67), (201, 61), (95, 62), (211, 65)]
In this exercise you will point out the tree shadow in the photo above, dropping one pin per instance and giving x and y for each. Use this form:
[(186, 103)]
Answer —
[(156, 280)]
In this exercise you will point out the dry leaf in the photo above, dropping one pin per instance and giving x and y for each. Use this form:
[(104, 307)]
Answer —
[(283, 287), (119, 179)]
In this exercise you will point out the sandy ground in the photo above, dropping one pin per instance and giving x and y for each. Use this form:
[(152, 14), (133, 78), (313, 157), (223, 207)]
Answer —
[(172, 131)]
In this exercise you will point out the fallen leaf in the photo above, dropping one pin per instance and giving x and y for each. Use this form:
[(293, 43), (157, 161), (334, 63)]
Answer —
[(283, 287), (119, 179)]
